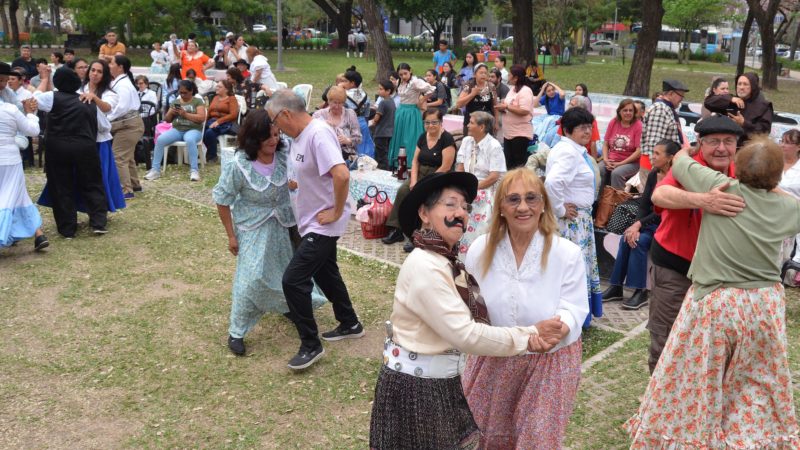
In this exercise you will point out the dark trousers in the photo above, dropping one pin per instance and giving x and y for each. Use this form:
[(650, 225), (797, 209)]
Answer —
[(211, 135), (315, 259), (669, 290), (516, 152), (382, 152), (71, 167)]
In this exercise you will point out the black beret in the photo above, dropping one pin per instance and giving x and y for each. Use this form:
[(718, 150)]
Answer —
[(673, 85), (718, 124)]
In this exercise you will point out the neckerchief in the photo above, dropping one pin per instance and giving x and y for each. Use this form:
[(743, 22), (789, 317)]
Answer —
[(466, 285)]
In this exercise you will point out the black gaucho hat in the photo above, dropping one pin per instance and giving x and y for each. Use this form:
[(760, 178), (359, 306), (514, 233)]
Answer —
[(409, 207)]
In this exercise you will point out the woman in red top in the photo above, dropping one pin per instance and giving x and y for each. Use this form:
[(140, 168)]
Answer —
[(621, 146), (192, 58), (223, 113)]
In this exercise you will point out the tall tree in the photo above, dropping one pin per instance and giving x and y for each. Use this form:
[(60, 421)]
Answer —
[(522, 22), (638, 83), (13, 7), (341, 14), (764, 13), (748, 26), (464, 10), (4, 18), (380, 45)]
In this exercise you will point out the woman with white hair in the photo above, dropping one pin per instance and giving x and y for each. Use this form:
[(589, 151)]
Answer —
[(481, 155)]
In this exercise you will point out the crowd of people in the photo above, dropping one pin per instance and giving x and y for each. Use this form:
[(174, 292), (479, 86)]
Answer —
[(483, 346)]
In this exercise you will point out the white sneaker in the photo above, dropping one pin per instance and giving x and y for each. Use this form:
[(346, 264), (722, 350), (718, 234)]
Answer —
[(194, 176), (152, 175)]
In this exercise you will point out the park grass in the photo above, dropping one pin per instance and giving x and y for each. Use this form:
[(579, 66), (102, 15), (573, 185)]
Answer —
[(602, 74)]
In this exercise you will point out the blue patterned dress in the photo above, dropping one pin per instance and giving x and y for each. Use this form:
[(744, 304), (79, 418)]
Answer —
[(262, 215)]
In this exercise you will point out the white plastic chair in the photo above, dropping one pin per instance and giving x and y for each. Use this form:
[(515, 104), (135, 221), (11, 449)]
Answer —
[(304, 92), (182, 152), (282, 85)]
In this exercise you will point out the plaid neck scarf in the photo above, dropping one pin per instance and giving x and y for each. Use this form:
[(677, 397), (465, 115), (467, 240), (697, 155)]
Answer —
[(466, 285)]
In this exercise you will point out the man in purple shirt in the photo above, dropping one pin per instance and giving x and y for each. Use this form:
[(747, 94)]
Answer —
[(322, 215)]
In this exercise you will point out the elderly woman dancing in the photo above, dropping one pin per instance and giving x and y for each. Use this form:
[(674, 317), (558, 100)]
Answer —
[(525, 401), (437, 314), (571, 185), (723, 379)]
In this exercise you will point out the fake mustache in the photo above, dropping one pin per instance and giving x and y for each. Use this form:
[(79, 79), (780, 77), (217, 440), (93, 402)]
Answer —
[(456, 222)]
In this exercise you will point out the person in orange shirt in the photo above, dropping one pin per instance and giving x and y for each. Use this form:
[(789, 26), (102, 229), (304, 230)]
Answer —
[(111, 48), (192, 58)]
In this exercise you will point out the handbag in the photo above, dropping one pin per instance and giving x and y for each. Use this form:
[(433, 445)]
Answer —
[(379, 210), (609, 200), (623, 217)]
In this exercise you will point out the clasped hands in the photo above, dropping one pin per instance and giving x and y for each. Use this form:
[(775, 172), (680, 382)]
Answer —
[(551, 331)]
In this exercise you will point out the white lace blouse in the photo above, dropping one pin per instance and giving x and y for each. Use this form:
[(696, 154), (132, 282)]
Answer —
[(526, 295)]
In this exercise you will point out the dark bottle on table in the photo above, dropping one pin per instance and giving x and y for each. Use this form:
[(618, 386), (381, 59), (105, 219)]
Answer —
[(402, 164)]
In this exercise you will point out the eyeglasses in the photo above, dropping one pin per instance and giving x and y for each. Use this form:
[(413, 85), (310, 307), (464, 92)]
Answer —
[(432, 122), (531, 199), (452, 205), (584, 128), (273, 119), (714, 142), (679, 94)]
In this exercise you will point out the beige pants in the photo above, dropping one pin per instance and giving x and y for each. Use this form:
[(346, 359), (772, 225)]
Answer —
[(126, 134)]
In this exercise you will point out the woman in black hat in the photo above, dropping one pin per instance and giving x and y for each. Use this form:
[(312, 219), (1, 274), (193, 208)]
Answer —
[(437, 314)]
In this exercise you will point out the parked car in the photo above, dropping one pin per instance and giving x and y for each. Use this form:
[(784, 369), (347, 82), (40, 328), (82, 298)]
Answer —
[(601, 45), (428, 36), (474, 38), (259, 28), (311, 31)]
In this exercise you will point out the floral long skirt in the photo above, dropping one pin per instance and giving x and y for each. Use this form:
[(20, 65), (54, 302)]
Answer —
[(723, 380), (479, 220), (581, 231)]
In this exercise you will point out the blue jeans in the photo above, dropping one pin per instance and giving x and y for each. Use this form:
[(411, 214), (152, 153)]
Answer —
[(191, 137), (631, 263), (211, 135)]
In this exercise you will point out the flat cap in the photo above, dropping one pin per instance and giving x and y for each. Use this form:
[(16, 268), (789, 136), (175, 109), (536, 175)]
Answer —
[(718, 124), (673, 85)]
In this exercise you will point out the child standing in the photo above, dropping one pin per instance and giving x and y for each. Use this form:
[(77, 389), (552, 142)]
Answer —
[(383, 123)]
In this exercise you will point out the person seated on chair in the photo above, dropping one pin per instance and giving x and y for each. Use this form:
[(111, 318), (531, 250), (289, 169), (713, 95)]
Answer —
[(222, 115), (146, 95), (187, 114), (631, 263)]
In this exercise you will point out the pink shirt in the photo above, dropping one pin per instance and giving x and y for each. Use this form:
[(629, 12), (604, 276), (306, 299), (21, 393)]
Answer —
[(622, 142), (514, 125), (265, 170)]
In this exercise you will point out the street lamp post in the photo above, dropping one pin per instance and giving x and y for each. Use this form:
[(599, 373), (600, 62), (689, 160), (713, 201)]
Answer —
[(279, 32)]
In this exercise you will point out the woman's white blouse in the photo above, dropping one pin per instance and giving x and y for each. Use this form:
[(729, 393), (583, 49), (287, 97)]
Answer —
[(12, 123), (527, 295), (569, 178), (790, 182)]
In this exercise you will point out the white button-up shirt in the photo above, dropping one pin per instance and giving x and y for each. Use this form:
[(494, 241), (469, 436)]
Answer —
[(527, 295), (482, 158), (12, 123), (128, 97), (569, 177)]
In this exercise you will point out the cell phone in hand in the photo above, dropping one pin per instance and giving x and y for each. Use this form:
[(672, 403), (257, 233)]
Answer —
[(177, 107)]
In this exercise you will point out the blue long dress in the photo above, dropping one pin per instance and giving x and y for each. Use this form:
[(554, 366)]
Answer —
[(262, 214), (358, 101)]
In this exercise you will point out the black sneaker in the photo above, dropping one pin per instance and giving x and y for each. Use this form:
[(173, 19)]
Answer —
[(137, 189), (236, 345), (40, 243), (99, 230), (305, 358), (612, 293), (342, 332), (394, 236), (637, 300)]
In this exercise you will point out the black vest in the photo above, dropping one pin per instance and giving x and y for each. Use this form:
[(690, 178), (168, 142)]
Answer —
[(71, 120)]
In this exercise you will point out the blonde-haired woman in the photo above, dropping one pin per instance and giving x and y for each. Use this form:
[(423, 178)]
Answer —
[(527, 400)]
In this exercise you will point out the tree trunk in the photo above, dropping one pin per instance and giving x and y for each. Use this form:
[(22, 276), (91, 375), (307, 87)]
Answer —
[(794, 42), (55, 16), (340, 14), (638, 83), (13, 7), (522, 22), (765, 18), (4, 18), (748, 25), (379, 44), (457, 21)]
